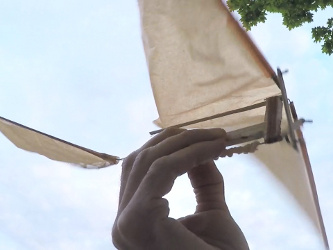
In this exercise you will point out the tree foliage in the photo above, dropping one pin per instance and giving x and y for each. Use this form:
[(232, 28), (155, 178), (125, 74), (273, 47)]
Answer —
[(294, 13)]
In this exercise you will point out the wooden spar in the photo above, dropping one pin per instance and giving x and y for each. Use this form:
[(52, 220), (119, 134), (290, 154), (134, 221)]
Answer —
[(270, 130), (273, 117), (287, 109), (247, 134), (307, 162), (258, 105)]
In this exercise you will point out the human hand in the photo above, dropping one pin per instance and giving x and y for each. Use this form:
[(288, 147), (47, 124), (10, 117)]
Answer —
[(148, 174)]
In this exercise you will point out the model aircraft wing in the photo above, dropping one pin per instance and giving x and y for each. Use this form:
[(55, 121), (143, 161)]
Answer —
[(203, 67), (52, 147), (202, 63)]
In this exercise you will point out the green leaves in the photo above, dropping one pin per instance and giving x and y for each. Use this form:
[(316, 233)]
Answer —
[(294, 12), (324, 34), (252, 12)]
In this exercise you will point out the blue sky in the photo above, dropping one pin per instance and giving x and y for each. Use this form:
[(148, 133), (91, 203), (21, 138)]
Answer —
[(76, 70)]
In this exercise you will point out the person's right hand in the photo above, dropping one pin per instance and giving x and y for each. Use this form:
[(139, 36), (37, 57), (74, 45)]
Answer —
[(143, 220)]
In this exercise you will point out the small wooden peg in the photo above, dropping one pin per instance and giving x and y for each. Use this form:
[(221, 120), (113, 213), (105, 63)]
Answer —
[(273, 118)]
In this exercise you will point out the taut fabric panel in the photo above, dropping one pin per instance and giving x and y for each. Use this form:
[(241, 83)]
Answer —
[(288, 166), (53, 148), (200, 64)]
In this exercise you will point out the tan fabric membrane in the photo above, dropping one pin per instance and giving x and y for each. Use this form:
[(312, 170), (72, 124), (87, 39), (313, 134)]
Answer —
[(288, 166), (200, 65), (53, 148)]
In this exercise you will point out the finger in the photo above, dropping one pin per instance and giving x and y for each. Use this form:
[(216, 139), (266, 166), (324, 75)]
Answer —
[(208, 186), (166, 147), (129, 160), (126, 169), (162, 174)]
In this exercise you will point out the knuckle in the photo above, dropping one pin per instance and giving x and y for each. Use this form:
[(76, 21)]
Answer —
[(185, 135), (163, 167), (159, 207), (131, 228), (171, 131), (115, 236), (224, 133), (143, 156), (136, 157), (122, 231), (124, 225), (128, 161), (160, 163)]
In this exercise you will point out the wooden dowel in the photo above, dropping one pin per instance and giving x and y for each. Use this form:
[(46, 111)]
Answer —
[(287, 109), (307, 162), (273, 117), (258, 105)]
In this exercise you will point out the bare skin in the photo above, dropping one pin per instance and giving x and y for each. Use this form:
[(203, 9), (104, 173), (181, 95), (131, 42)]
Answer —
[(149, 173)]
